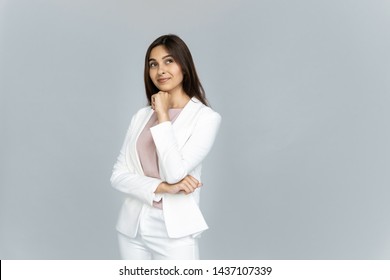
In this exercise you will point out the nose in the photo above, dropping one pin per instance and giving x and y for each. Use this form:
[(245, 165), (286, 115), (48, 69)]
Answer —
[(161, 70)]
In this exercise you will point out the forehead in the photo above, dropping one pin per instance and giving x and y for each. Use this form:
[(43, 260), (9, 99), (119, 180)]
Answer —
[(158, 52)]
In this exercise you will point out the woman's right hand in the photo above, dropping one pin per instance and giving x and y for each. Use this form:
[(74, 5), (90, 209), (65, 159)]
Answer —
[(187, 185), (160, 103)]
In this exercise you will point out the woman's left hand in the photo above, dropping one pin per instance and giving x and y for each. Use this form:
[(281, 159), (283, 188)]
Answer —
[(160, 104), (187, 185)]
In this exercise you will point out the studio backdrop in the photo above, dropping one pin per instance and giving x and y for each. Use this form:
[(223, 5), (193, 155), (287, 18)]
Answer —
[(300, 167)]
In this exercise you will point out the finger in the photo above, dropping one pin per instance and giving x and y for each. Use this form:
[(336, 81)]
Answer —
[(192, 179), (197, 184), (187, 188), (161, 94), (191, 184)]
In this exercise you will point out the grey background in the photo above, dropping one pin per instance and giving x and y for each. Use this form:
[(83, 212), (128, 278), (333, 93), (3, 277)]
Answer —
[(300, 169)]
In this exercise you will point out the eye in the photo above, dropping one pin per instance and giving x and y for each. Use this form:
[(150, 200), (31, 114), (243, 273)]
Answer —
[(169, 61), (152, 64)]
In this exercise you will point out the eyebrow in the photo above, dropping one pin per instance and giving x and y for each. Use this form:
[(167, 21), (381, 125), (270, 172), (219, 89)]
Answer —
[(164, 57)]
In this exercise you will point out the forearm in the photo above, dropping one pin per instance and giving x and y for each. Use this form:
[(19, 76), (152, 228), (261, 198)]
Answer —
[(186, 185), (176, 163), (163, 117)]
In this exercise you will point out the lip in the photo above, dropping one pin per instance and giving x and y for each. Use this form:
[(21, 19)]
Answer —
[(162, 80)]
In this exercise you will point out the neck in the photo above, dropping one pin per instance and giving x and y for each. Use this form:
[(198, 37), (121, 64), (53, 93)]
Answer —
[(179, 99)]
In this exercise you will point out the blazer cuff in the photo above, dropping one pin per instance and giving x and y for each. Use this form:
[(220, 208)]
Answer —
[(157, 197)]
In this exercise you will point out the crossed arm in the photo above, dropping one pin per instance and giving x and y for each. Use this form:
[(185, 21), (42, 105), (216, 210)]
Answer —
[(177, 164)]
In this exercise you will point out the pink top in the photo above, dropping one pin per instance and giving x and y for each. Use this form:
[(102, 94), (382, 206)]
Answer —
[(147, 149)]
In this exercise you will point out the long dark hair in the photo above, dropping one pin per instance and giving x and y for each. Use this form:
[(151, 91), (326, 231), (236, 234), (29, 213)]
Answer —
[(182, 55)]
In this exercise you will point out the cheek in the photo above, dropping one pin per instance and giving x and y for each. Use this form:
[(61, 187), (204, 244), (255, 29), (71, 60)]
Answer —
[(151, 75), (181, 76), (179, 73)]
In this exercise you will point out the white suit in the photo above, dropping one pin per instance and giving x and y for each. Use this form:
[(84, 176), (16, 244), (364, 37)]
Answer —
[(181, 148)]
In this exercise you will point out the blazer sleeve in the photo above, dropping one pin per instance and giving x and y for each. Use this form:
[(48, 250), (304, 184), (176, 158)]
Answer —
[(177, 163), (125, 179)]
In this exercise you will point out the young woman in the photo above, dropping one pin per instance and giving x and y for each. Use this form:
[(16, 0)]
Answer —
[(159, 166)]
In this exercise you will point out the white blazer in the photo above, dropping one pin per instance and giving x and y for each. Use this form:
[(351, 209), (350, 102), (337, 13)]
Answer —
[(181, 148)]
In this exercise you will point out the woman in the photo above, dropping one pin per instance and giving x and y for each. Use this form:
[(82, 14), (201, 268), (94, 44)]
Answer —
[(159, 165)]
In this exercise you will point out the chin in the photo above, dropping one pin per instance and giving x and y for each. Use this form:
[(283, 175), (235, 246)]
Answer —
[(165, 89)]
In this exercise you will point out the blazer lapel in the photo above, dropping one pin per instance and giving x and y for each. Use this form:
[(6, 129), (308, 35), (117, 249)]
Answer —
[(140, 125)]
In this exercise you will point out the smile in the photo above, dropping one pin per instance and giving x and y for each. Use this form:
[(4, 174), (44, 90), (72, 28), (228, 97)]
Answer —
[(162, 80)]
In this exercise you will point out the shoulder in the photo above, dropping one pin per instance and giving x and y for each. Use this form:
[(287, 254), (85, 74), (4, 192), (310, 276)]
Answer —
[(144, 110), (205, 110), (141, 113), (139, 116), (206, 115)]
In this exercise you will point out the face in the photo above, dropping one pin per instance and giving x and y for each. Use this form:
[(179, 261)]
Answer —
[(165, 73)]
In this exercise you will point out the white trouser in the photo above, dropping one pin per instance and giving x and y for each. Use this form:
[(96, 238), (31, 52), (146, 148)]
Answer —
[(153, 243)]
